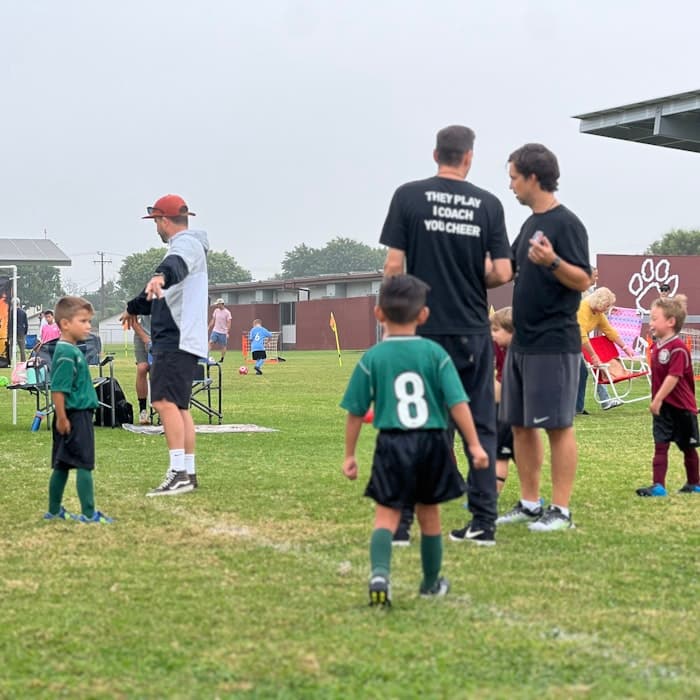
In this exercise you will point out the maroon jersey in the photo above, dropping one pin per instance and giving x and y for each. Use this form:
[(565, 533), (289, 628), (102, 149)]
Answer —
[(672, 358), (499, 358)]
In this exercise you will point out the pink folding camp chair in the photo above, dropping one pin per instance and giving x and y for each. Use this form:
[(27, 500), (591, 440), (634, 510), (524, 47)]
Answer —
[(617, 372)]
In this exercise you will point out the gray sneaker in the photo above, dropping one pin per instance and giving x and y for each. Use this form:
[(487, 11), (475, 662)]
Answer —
[(439, 589), (174, 484), (193, 480), (520, 514), (553, 519), (611, 403), (379, 592)]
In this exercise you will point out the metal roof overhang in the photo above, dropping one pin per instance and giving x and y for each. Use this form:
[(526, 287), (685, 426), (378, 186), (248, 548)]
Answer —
[(31, 251), (671, 122)]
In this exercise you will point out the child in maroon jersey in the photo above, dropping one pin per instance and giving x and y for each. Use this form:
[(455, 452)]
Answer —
[(673, 396), (502, 334)]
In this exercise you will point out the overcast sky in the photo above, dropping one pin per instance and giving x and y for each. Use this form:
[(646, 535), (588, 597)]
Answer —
[(290, 121)]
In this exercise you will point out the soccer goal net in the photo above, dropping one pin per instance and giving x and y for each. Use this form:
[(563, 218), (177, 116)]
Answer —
[(271, 347), (691, 337)]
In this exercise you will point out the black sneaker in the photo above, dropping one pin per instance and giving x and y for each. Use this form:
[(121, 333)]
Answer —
[(175, 483), (401, 539), (439, 589), (258, 371), (379, 591), (519, 514), (469, 533), (193, 481)]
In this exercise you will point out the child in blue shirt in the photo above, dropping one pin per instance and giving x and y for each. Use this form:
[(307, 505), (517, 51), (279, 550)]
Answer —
[(257, 336)]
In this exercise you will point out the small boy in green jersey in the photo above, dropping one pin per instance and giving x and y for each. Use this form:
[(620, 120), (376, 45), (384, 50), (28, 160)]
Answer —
[(74, 401), (413, 384)]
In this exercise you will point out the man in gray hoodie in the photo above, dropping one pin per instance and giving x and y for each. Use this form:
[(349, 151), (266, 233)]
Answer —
[(176, 298)]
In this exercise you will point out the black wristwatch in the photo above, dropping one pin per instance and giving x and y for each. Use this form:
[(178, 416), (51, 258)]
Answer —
[(555, 263)]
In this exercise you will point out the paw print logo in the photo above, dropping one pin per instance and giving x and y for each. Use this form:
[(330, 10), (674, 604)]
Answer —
[(644, 285)]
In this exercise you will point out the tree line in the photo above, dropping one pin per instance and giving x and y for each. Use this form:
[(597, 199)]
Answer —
[(41, 285)]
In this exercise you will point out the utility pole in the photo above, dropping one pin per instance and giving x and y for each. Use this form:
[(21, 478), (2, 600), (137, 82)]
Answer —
[(102, 262)]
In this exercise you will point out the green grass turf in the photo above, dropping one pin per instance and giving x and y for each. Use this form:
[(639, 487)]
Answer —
[(255, 585)]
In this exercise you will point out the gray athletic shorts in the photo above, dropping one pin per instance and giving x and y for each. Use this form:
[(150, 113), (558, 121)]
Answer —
[(140, 352), (539, 391)]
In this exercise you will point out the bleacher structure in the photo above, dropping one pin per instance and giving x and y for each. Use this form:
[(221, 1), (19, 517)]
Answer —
[(272, 345)]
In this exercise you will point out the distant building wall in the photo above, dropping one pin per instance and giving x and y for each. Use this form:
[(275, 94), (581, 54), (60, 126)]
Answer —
[(354, 317)]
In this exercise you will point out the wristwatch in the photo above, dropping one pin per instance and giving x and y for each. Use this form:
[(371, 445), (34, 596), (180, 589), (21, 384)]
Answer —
[(555, 263)]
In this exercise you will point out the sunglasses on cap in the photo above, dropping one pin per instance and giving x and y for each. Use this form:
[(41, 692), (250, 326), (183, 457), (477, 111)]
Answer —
[(155, 211)]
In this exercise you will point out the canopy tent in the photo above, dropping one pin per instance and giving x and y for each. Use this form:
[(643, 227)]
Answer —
[(24, 251)]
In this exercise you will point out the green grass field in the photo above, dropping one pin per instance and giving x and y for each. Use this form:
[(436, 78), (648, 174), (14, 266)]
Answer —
[(255, 585)]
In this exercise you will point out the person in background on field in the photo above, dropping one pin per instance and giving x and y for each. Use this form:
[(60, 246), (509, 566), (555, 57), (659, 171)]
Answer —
[(413, 383), (452, 235), (50, 330), (220, 328), (541, 371), (502, 334), (22, 330), (74, 399), (176, 298), (143, 357), (257, 336), (673, 403), (591, 316)]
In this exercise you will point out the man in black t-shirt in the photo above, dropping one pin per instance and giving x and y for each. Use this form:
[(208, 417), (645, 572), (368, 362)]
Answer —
[(540, 377), (452, 235)]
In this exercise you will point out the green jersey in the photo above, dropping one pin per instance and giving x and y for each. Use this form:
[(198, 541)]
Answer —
[(70, 375), (412, 382)]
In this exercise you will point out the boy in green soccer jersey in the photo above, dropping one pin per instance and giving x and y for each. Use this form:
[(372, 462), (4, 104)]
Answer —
[(74, 401), (413, 384)]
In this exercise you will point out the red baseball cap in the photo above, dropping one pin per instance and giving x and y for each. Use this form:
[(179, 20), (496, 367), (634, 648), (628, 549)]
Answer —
[(170, 205)]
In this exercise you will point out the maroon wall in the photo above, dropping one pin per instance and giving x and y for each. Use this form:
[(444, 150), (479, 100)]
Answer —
[(354, 317), (635, 278)]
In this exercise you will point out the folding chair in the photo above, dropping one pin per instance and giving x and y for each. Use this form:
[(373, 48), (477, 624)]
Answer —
[(619, 383), (91, 347), (628, 323), (207, 388), (39, 384), (206, 391)]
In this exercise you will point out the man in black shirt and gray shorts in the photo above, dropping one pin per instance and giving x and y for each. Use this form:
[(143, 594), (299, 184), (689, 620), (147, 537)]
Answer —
[(452, 235), (540, 375)]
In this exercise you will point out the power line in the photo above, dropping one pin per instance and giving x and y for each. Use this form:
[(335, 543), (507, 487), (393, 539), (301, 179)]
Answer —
[(102, 262)]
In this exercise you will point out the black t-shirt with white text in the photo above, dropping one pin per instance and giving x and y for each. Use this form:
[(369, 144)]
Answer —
[(544, 310), (445, 228)]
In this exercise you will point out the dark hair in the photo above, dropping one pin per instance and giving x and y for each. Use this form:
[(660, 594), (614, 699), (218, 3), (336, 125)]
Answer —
[(46, 312), (452, 143), (664, 287), (67, 307), (181, 220), (401, 297), (536, 159)]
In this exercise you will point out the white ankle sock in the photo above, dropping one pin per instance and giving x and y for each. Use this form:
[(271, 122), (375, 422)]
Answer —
[(177, 460), (530, 505), (189, 464)]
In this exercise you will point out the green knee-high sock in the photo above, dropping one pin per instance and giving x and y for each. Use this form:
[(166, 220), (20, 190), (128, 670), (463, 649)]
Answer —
[(431, 558), (380, 552), (57, 485), (86, 492)]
